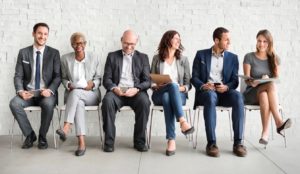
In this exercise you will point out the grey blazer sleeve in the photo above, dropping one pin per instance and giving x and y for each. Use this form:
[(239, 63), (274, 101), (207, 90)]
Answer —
[(186, 73), (65, 71), (56, 72), (108, 79), (19, 72), (96, 71)]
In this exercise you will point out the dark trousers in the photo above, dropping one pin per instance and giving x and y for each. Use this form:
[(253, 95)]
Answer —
[(47, 104), (211, 99), (140, 103)]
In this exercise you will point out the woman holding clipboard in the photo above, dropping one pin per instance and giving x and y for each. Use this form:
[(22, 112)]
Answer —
[(172, 95), (264, 63)]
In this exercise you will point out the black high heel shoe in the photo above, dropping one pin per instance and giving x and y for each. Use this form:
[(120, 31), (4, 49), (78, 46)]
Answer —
[(285, 125), (263, 141), (188, 131)]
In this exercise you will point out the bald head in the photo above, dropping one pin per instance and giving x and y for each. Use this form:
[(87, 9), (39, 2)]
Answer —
[(129, 40)]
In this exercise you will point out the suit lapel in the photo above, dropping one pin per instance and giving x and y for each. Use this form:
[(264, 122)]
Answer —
[(208, 62), (71, 61), (87, 66), (120, 63), (45, 61), (226, 64), (30, 55), (179, 70)]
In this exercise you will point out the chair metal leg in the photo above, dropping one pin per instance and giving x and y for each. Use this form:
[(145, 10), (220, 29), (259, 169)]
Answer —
[(100, 128), (230, 125), (12, 133), (150, 129), (282, 116), (191, 122), (197, 126), (54, 137), (244, 124), (272, 133)]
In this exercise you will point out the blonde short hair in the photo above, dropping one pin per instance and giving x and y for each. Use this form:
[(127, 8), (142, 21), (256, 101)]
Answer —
[(77, 35)]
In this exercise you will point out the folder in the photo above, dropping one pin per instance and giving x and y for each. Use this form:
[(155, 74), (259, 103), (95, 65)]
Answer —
[(160, 78)]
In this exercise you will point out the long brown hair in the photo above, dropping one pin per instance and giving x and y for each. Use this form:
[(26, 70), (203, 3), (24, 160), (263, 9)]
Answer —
[(165, 43), (272, 58)]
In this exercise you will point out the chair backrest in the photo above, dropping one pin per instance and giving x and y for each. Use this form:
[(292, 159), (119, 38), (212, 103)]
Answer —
[(243, 86)]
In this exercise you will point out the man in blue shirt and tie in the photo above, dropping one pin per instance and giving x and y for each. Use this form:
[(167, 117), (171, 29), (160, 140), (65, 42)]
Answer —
[(37, 77)]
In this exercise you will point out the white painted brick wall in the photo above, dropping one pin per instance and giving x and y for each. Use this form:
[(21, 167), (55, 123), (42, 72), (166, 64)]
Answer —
[(103, 22)]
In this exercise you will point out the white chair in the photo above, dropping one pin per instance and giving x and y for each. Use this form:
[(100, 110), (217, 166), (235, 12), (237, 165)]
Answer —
[(257, 108), (87, 108), (32, 109), (122, 109), (185, 108), (197, 118)]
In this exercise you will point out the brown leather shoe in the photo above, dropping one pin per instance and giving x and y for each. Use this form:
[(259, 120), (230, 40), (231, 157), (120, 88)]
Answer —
[(240, 150), (212, 150)]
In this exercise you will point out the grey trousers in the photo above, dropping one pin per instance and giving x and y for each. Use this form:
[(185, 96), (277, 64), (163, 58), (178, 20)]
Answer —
[(75, 112), (47, 104)]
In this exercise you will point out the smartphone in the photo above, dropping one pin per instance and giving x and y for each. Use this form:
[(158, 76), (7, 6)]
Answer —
[(216, 84), (124, 89)]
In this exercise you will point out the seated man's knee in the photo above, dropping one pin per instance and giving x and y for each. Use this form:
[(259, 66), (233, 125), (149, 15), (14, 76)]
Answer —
[(237, 97), (107, 101), (15, 103), (210, 98), (48, 103)]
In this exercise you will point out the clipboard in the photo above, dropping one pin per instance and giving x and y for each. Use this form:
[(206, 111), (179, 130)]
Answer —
[(160, 78), (259, 81)]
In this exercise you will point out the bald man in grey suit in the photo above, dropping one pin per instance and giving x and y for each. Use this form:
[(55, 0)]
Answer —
[(37, 77)]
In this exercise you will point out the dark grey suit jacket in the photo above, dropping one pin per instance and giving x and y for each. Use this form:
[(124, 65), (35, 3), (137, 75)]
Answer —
[(140, 70), (51, 68)]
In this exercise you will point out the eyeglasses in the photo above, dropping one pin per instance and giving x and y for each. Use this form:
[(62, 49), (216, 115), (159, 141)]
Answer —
[(78, 44), (129, 44)]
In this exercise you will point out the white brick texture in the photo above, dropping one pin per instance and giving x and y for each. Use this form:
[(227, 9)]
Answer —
[(103, 22)]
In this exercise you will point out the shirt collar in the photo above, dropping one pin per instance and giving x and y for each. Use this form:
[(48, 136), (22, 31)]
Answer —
[(217, 55), (130, 55), (41, 50)]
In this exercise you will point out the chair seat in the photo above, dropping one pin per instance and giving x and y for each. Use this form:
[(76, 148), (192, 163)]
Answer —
[(256, 107), (161, 108), (87, 108), (33, 108), (218, 108), (125, 108)]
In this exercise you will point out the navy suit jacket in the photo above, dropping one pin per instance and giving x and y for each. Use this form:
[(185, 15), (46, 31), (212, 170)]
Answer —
[(140, 70), (202, 66)]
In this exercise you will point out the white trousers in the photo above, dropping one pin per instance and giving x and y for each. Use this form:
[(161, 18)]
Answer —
[(75, 112)]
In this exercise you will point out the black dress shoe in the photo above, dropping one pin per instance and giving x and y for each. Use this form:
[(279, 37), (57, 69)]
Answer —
[(108, 148), (141, 148), (62, 135), (28, 143), (43, 144), (80, 152), (170, 152), (285, 125)]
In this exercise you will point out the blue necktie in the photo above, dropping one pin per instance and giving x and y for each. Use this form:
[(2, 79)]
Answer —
[(37, 70)]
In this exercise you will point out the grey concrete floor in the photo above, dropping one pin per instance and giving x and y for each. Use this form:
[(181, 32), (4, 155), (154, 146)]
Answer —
[(275, 159)]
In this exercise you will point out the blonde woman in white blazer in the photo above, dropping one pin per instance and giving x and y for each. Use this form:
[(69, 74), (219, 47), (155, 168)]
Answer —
[(81, 78)]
